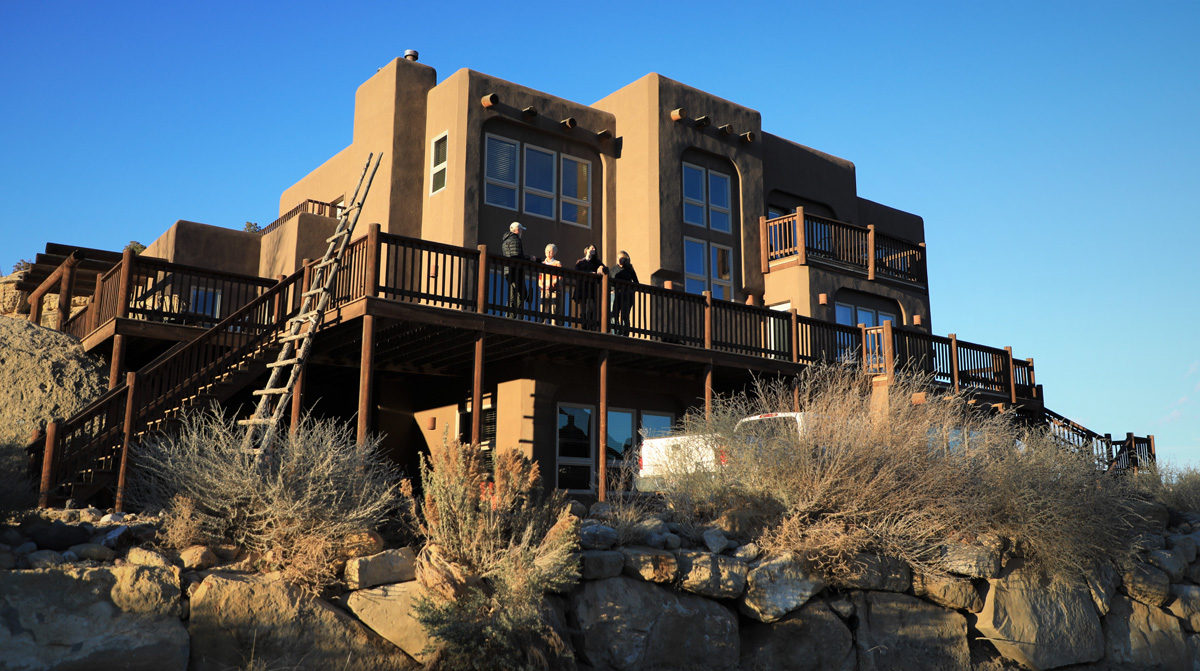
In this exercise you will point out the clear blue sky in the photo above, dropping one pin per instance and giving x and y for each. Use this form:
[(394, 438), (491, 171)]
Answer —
[(1050, 146)]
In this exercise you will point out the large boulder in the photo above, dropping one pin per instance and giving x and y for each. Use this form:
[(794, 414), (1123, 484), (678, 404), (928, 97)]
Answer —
[(649, 564), (875, 572), (1041, 625), (1147, 584), (778, 586), (235, 618), (1184, 545), (388, 611), (600, 564), (1170, 562), (812, 638), (1102, 582), (975, 560), (948, 592), (1185, 605), (625, 623), (896, 630), (389, 566), (1135, 633), (711, 575), (86, 618)]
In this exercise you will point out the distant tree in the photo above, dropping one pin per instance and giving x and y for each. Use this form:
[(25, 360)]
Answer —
[(22, 265), (252, 227), (136, 246)]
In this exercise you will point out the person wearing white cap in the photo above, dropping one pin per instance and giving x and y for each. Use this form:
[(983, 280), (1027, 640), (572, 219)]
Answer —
[(515, 274)]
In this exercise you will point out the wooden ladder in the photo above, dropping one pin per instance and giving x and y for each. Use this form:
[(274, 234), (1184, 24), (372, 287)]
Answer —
[(297, 341)]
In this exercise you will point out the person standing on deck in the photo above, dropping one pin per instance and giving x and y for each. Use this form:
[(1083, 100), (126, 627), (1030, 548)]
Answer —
[(513, 249), (548, 283), (623, 297), (590, 263)]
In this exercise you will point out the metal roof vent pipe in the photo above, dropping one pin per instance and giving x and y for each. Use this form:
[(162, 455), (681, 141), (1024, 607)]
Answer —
[(411, 55)]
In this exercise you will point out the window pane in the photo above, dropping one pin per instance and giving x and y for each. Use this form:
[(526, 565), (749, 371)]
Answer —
[(620, 433), (504, 196), (693, 258), (654, 426), (574, 432), (539, 171), (719, 221), (721, 292), (866, 317), (695, 286), (576, 214), (439, 180), (542, 206), (693, 214), (776, 212), (718, 190), (845, 314), (693, 183), (575, 179), (574, 477), (439, 151), (502, 160), (721, 263), (883, 316)]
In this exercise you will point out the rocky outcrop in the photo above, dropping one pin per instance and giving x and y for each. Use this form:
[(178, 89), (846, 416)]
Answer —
[(1135, 633), (627, 624), (90, 617), (388, 611), (711, 575), (779, 585), (812, 638), (389, 566), (237, 618), (894, 630)]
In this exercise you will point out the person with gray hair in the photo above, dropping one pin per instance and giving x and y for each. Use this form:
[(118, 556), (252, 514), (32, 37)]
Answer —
[(548, 284), (512, 248)]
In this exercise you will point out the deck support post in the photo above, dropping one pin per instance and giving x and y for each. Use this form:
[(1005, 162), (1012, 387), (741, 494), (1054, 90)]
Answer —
[(801, 243), (366, 378), (48, 465), (1012, 377), (374, 254), (870, 251), (603, 428), (116, 361), (477, 394), (708, 391), (481, 292), (764, 246), (130, 392), (889, 351), (954, 361)]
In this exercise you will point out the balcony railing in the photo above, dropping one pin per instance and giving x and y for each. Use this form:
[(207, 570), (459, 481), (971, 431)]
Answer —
[(306, 207), (803, 238)]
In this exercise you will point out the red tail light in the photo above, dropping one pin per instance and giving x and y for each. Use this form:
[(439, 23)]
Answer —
[(722, 456)]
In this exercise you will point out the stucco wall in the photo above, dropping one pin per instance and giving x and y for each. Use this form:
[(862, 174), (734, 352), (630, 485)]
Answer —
[(212, 247)]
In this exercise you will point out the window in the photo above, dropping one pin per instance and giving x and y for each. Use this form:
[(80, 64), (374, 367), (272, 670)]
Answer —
[(706, 199), (545, 177), (656, 424), (575, 447), (437, 171), (852, 315), (500, 173), (707, 267), (205, 301)]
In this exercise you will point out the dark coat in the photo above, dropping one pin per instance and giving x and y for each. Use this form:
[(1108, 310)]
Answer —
[(512, 247)]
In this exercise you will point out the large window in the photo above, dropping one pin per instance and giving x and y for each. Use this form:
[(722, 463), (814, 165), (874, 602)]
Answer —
[(706, 198), (708, 266), (577, 458), (437, 165), (853, 315), (575, 447), (552, 185)]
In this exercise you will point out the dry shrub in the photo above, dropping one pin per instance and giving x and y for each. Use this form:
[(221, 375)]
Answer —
[(495, 546), (900, 478), (1179, 487), (293, 506)]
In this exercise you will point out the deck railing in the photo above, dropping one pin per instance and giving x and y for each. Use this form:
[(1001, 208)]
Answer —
[(803, 237), (306, 207)]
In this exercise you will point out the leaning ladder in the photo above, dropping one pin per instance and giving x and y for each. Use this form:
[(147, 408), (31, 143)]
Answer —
[(297, 343)]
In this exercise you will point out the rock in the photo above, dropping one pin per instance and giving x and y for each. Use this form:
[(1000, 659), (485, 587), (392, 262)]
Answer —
[(652, 540), (389, 566), (779, 585), (58, 536), (649, 564), (1040, 626), (116, 537), (1147, 584), (1151, 541), (1168, 562), (948, 592), (600, 564), (93, 551), (235, 618), (25, 548), (650, 532), (70, 557), (895, 630), (1154, 514), (973, 561), (1103, 581), (627, 624), (577, 509), (388, 611), (144, 557), (597, 537), (1135, 633), (1184, 546), (8, 561), (113, 518), (197, 558), (875, 572), (89, 618), (11, 537), (90, 515), (747, 553), (226, 552), (600, 510), (1193, 573), (812, 638), (44, 559), (671, 542), (841, 604), (362, 543), (711, 575), (1185, 605), (715, 541)]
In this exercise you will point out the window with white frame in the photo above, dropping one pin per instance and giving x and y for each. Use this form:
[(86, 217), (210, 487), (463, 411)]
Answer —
[(205, 301), (707, 266), (853, 315), (707, 198), (576, 447), (500, 172), (437, 166), (551, 185)]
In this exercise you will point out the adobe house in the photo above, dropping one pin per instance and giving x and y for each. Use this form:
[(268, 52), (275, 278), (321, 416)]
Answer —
[(756, 257)]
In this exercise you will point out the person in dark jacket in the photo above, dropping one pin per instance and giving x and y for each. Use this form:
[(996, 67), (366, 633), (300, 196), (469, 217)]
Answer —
[(512, 248), (624, 296), (585, 295)]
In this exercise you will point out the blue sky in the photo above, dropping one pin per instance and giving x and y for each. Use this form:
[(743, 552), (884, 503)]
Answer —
[(1049, 146)]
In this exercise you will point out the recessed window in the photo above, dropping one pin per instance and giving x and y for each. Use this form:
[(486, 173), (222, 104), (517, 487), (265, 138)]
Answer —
[(437, 172), (707, 198), (693, 195), (853, 315), (575, 447), (576, 191), (551, 185), (722, 271), (500, 173), (708, 266), (719, 217), (539, 182)]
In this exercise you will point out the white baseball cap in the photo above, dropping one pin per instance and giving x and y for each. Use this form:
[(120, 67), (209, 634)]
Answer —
[(516, 225)]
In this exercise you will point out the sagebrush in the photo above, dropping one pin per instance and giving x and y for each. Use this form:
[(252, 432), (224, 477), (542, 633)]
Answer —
[(495, 543), (292, 506), (1179, 487)]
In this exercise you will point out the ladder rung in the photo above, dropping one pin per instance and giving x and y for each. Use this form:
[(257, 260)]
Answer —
[(254, 421), (314, 292), (265, 392), (281, 364), (326, 262), (306, 316), (289, 337), (338, 236)]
